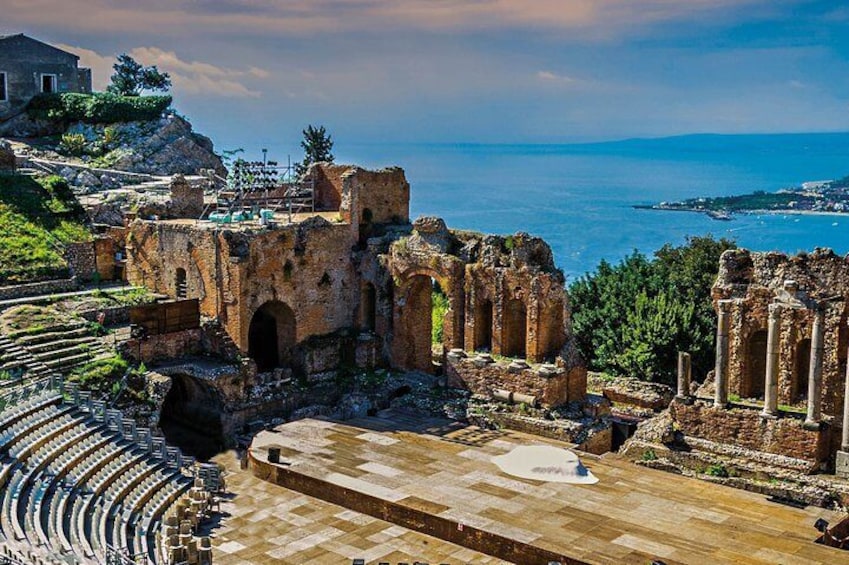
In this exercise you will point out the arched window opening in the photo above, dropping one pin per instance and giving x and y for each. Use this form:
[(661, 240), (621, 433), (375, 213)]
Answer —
[(181, 283)]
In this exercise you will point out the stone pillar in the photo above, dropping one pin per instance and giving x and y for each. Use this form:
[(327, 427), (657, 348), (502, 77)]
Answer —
[(721, 373), (812, 420), (684, 372), (841, 463), (772, 348)]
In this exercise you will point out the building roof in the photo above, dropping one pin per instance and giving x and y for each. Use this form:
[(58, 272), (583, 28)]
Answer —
[(21, 35)]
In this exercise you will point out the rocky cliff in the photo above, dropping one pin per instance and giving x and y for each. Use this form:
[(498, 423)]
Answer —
[(165, 146)]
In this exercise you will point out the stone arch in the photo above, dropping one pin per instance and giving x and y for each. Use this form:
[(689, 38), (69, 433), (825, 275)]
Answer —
[(181, 284), (412, 318), (515, 341), (190, 416), (753, 387), (272, 335), (801, 369), (483, 325)]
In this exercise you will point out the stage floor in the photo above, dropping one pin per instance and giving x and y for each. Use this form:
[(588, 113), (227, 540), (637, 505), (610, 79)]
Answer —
[(264, 524), (632, 515)]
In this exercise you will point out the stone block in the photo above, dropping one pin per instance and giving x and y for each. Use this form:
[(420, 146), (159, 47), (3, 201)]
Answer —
[(841, 464)]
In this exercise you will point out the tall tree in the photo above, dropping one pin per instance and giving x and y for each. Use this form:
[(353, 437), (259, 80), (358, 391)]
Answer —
[(632, 318), (131, 77), (317, 145)]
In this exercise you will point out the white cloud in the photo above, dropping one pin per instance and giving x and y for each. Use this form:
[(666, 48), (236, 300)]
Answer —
[(191, 77), (548, 76)]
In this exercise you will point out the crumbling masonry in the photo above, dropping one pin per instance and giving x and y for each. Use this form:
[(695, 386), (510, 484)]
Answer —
[(350, 285), (782, 339)]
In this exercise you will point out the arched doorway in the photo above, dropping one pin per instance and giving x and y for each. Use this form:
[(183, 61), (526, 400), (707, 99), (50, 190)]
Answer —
[(422, 321), (483, 326), (756, 365), (272, 335), (515, 329), (191, 417), (801, 368)]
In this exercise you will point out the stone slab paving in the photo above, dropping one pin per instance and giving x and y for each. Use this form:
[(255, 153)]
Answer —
[(632, 515), (267, 524)]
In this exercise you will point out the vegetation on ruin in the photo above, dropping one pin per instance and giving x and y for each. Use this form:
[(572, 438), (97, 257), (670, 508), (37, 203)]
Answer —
[(437, 313), (632, 319), (37, 217), (97, 108)]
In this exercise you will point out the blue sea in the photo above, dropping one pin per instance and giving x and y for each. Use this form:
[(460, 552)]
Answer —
[(580, 197)]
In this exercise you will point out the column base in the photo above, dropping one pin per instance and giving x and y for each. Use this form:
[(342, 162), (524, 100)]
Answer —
[(841, 464), (812, 426), (768, 416), (684, 399)]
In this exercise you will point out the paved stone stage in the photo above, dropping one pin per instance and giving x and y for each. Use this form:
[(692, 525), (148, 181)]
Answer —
[(264, 524), (436, 477)]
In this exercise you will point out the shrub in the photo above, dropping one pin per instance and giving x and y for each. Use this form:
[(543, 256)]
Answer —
[(98, 108), (437, 313), (101, 374), (649, 455), (717, 470), (72, 144)]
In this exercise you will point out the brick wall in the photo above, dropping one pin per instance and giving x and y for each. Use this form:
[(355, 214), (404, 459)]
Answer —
[(744, 427)]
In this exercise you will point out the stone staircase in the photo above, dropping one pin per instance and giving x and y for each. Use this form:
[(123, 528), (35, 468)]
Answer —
[(54, 349), (783, 478)]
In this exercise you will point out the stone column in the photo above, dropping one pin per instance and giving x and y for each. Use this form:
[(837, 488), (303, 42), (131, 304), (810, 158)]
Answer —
[(815, 375), (721, 373), (684, 372), (772, 347), (841, 463)]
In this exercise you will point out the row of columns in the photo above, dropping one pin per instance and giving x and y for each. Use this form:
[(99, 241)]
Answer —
[(813, 415)]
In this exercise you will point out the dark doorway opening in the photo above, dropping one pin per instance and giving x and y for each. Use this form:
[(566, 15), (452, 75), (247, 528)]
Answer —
[(622, 430), (756, 364), (271, 336), (483, 326), (191, 417)]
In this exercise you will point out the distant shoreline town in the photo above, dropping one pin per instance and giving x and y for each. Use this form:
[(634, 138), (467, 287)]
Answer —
[(826, 197)]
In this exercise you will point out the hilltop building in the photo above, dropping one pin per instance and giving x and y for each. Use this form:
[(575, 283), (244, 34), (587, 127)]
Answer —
[(29, 67)]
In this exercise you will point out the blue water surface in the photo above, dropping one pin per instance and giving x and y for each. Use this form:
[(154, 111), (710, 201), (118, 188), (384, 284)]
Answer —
[(580, 198)]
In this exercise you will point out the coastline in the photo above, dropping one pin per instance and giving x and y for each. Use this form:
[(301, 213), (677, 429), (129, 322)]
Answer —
[(730, 215)]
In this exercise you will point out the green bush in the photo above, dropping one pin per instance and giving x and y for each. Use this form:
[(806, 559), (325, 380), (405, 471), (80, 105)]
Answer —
[(631, 319), (98, 108), (72, 144), (717, 470), (102, 374), (437, 314)]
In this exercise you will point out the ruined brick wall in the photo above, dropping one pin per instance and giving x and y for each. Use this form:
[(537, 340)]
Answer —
[(186, 199), (377, 197), (233, 273), (327, 179), (548, 384), (754, 281), (81, 259), (745, 427), (104, 256), (164, 347)]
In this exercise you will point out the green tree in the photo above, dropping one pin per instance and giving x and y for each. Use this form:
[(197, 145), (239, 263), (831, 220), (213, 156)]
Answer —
[(632, 318), (317, 145), (131, 77)]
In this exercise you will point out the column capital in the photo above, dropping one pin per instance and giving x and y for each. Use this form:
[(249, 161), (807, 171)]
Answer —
[(775, 310), (724, 305)]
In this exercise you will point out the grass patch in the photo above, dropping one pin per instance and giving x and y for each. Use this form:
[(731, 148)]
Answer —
[(37, 218), (102, 374)]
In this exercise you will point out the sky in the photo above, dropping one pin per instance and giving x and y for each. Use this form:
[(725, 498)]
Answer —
[(250, 73)]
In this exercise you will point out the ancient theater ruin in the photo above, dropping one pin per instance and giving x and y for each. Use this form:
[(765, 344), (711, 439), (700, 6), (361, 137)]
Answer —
[(342, 280), (773, 416)]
